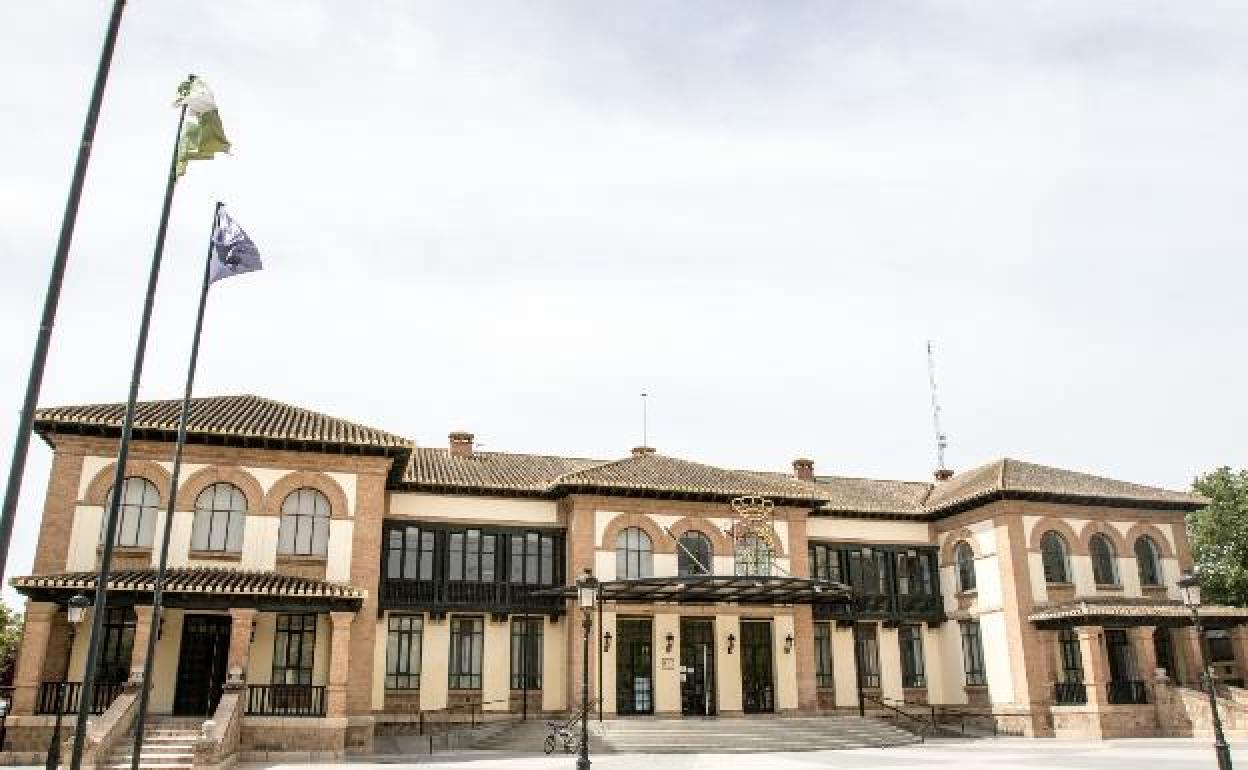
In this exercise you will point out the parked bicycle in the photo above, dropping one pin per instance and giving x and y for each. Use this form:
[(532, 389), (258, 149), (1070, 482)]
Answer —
[(563, 733)]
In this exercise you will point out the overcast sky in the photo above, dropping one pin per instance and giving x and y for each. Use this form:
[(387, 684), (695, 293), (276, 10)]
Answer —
[(513, 218)]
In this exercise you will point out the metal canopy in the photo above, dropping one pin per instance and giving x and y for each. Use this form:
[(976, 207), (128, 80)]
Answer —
[(1121, 612), (710, 589)]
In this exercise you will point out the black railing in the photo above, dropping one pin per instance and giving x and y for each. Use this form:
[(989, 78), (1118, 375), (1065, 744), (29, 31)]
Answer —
[(896, 607), (462, 594), (285, 700), (103, 697), (1070, 693), (1121, 693)]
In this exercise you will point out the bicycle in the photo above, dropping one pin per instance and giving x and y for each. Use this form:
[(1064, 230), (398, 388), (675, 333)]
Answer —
[(562, 732)]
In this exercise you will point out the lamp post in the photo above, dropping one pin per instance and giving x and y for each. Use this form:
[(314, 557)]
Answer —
[(587, 599), (74, 611), (1189, 584)]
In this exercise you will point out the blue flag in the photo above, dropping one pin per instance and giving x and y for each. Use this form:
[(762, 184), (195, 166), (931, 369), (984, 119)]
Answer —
[(232, 251)]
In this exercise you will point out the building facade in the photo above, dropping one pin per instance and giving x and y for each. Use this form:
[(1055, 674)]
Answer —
[(330, 582)]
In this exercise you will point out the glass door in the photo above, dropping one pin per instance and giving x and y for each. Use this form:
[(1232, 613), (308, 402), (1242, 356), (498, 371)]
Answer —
[(757, 681), (697, 667), (634, 667), (201, 664)]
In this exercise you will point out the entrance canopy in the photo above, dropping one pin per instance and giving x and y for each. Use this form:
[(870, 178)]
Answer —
[(1125, 612), (200, 588), (709, 589)]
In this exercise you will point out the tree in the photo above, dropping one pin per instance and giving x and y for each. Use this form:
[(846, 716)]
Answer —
[(10, 639), (1220, 536)]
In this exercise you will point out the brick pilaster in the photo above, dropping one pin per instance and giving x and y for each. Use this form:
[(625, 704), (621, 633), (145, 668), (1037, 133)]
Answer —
[(30, 658), (339, 662), (142, 633), (242, 620)]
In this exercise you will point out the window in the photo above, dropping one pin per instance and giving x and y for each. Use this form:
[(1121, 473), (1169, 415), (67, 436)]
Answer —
[(403, 652), (526, 653), (1221, 649), (293, 648), (136, 515), (1072, 658), (220, 511), (118, 644), (634, 557), (823, 656), (1053, 554), (693, 555), (910, 638), (1146, 556), (532, 559), (409, 554), (868, 571), (867, 655), (1104, 563), (964, 559), (753, 556), (825, 562), (470, 557), (973, 654), (467, 638), (304, 529), (914, 573)]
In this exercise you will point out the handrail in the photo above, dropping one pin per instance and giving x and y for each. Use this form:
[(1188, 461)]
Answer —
[(923, 724)]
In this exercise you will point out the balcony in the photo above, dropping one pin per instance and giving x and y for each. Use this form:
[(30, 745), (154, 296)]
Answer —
[(1127, 692), (1070, 694), (104, 695), (895, 608), (285, 700), (459, 595)]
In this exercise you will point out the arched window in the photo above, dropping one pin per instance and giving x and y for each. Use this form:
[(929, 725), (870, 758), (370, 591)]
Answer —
[(1149, 560), (634, 555), (693, 554), (305, 523), (753, 556), (220, 511), (1054, 555), (136, 516), (1104, 567), (964, 558)]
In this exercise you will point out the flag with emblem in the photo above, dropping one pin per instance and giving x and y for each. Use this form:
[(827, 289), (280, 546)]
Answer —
[(233, 251), (202, 133)]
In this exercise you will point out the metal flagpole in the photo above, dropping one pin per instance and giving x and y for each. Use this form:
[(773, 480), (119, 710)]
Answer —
[(162, 565), (25, 423), (123, 453)]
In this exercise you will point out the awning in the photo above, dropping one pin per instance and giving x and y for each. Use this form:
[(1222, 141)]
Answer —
[(1126, 612), (200, 588), (710, 589)]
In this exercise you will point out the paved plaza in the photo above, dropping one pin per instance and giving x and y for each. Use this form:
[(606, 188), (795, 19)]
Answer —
[(998, 754)]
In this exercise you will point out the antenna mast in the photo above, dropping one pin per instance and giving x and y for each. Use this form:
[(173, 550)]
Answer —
[(942, 441), (645, 435)]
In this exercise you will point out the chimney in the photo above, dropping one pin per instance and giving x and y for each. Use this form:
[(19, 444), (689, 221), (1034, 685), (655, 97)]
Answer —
[(642, 451), (461, 444), (804, 469), (943, 474)]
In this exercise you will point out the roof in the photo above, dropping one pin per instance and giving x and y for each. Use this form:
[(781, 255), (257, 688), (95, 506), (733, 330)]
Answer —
[(1122, 611), (239, 417), (198, 586), (660, 473), (489, 471), (708, 589)]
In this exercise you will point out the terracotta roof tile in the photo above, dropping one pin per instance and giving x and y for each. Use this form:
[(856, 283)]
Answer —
[(1127, 608), (218, 581), (489, 471), (659, 473)]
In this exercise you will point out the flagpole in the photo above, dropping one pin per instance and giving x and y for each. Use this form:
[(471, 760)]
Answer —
[(123, 453), (158, 588), (34, 381)]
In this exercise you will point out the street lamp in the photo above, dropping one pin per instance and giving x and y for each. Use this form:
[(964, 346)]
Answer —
[(1189, 585), (587, 599), (74, 611)]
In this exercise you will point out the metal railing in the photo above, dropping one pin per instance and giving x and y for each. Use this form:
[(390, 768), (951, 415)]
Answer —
[(914, 723), (103, 696), (285, 700), (1126, 692), (454, 593), (451, 720), (1070, 693)]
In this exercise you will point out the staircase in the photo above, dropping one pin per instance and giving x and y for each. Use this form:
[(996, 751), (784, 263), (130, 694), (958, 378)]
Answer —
[(715, 736), (168, 744)]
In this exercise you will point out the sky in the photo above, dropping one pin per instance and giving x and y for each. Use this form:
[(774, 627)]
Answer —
[(514, 218)]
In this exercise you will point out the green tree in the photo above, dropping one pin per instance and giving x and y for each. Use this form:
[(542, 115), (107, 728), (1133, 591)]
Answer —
[(1220, 536), (10, 638)]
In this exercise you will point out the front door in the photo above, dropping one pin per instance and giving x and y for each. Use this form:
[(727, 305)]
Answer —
[(697, 667), (757, 682), (634, 672), (201, 664)]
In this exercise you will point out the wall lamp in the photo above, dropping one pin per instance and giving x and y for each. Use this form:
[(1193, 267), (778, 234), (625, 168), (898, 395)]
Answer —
[(670, 638), (788, 644), (606, 642), (732, 641)]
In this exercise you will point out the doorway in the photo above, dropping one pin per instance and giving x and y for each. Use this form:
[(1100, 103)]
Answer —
[(757, 679), (697, 667), (201, 664), (634, 667)]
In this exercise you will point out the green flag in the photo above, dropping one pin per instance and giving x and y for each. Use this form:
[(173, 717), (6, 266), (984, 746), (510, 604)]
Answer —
[(202, 134)]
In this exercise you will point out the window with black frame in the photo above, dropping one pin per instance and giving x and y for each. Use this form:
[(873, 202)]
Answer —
[(304, 528), (532, 559), (824, 675), (867, 655), (467, 641), (914, 573), (403, 647), (964, 560), (526, 653), (1072, 658), (634, 554), (114, 660), (294, 646), (868, 571), (1055, 556), (136, 513), (470, 557), (1149, 561), (409, 553), (1104, 560), (973, 654), (825, 562), (220, 513), (693, 555), (913, 673)]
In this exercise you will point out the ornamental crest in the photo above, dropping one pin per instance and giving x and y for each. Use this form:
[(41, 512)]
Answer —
[(754, 535)]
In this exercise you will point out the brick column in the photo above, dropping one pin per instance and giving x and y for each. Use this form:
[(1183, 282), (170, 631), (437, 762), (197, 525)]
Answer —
[(1239, 643), (1095, 665), (242, 621), (1191, 659), (339, 662), (804, 650), (138, 650), (1145, 657), (30, 659)]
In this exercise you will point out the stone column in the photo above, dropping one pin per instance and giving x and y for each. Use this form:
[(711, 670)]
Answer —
[(30, 659), (1239, 643), (1095, 665), (1145, 658), (242, 622), (138, 650), (1049, 663), (1191, 658), (339, 661)]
